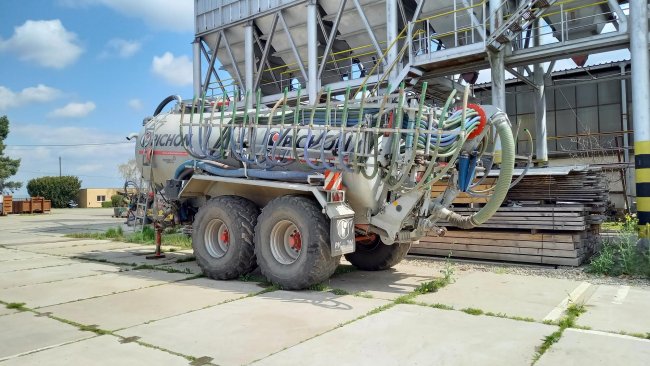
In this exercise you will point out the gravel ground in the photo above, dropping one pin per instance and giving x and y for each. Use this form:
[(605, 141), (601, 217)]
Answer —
[(570, 273)]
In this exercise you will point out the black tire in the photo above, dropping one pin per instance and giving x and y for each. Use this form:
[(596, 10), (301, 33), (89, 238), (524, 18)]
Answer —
[(314, 263), (239, 216), (377, 256)]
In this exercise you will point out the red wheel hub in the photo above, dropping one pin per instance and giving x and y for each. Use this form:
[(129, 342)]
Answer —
[(225, 237), (295, 240)]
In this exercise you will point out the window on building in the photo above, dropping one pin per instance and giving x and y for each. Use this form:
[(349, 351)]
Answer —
[(101, 198)]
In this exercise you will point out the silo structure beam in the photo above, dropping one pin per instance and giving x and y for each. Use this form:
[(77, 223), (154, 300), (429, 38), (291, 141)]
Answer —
[(312, 51), (249, 59), (541, 145), (391, 35), (196, 69), (498, 71), (638, 26)]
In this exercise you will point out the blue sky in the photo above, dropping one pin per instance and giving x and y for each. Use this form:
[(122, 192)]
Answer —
[(88, 71)]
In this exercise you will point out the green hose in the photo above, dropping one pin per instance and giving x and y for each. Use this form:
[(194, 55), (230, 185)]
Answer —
[(500, 121)]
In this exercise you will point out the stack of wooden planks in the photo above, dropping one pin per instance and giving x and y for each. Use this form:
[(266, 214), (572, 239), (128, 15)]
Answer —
[(552, 216), (541, 217), (567, 249), (587, 187)]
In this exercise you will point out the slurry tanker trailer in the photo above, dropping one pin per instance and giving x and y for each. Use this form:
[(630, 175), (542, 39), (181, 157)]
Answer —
[(292, 187)]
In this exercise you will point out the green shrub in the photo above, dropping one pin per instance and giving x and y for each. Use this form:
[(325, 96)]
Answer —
[(107, 204), (59, 190), (621, 255), (117, 200)]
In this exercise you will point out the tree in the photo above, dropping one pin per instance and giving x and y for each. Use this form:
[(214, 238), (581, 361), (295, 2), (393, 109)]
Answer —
[(58, 189), (8, 166), (130, 171)]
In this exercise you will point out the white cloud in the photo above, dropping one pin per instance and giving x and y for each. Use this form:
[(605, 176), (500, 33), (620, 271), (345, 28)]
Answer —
[(121, 48), (173, 15), (174, 70), (34, 94), (73, 110), (45, 42), (135, 104)]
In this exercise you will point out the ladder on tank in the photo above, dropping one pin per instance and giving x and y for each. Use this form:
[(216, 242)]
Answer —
[(144, 191), (525, 15)]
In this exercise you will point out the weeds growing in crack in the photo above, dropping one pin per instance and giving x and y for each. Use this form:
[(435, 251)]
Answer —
[(472, 311), (572, 313), (20, 306)]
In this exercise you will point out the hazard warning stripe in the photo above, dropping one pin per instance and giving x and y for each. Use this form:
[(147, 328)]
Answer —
[(333, 180)]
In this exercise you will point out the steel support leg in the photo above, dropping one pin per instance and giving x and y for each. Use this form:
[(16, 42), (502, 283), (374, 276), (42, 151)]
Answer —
[(249, 63), (638, 26), (312, 51), (541, 145), (391, 34), (196, 70), (498, 71)]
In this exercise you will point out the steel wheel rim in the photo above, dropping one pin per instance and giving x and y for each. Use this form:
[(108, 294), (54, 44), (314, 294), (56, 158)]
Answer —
[(286, 242), (216, 238)]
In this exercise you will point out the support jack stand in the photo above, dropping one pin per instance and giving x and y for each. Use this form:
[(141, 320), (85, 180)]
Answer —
[(158, 254)]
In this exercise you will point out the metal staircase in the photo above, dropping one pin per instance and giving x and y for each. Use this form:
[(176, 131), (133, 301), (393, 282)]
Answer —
[(525, 15)]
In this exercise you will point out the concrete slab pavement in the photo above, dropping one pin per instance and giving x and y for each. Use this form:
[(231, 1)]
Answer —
[(582, 347), (104, 350), (59, 244), (58, 273), (242, 331), (132, 308), (46, 294), (419, 335), (389, 284), (5, 311), (618, 308), (24, 332), (135, 257), (13, 254), (17, 239), (539, 298), (31, 263)]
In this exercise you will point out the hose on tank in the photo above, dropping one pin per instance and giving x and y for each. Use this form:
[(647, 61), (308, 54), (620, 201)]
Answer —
[(502, 125)]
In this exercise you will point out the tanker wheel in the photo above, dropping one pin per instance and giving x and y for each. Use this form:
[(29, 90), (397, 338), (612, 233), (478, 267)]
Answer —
[(292, 243), (222, 237), (373, 255)]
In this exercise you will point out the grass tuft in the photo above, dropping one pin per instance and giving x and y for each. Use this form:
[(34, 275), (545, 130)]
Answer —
[(20, 306), (339, 292), (472, 311)]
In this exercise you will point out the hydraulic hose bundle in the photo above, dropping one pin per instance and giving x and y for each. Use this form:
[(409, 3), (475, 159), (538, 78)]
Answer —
[(410, 145)]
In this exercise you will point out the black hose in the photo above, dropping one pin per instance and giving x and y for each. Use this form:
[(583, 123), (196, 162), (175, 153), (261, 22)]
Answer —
[(164, 103)]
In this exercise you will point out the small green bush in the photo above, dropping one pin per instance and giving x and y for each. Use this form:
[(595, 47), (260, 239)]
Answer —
[(107, 204), (621, 255), (117, 200)]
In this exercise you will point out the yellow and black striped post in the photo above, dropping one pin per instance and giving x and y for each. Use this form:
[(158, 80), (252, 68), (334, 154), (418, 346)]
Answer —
[(638, 28), (642, 170)]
